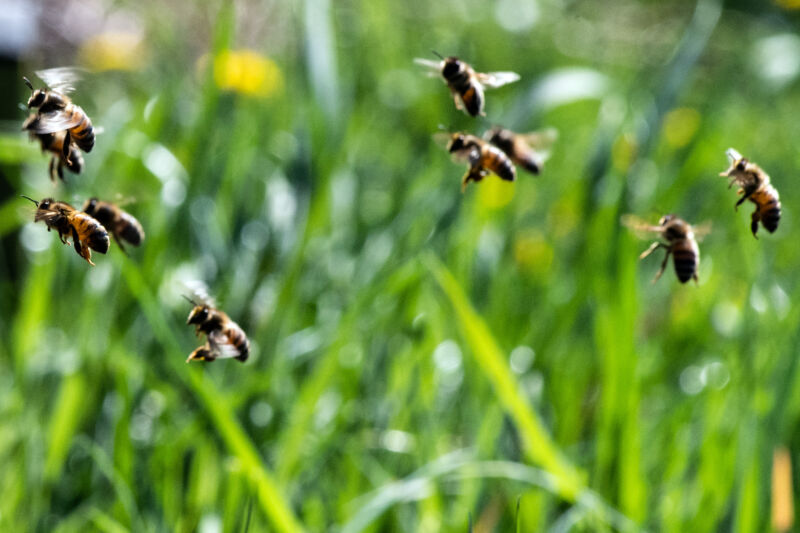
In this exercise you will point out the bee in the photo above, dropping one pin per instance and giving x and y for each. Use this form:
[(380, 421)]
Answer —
[(225, 339), (483, 158), (465, 84), (122, 225), (681, 243), (528, 150), (754, 186), (86, 232), (56, 112), (62, 154)]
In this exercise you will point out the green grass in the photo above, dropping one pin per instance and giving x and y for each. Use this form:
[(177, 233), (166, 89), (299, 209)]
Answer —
[(419, 356)]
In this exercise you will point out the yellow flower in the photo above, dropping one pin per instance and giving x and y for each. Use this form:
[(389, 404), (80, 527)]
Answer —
[(247, 72), (113, 51)]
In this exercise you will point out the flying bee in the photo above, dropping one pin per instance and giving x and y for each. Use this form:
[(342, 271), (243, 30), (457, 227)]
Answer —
[(56, 112), (681, 243), (62, 154), (465, 84), (754, 186), (86, 232), (528, 150), (482, 157), (122, 225), (224, 338)]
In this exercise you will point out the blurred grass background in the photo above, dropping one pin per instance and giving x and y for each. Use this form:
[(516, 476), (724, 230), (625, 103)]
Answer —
[(420, 357)]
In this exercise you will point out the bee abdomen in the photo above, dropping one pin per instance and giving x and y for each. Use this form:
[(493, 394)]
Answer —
[(685, 263), (240, 342), (771, 213), (83, 133), (97, 236), (501, 164), (531, 165), (131, 230)]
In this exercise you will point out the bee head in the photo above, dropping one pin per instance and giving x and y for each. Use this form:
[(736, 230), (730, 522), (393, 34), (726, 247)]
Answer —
[(90, 206), (456, 143), (37, 98), (741, 165), (45, 204), (452, 66), (666, 219), (198, 315)]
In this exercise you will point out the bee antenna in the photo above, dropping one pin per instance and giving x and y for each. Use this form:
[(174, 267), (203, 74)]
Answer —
[(27, 82), (31, 199), (437, 54), (190, 300)]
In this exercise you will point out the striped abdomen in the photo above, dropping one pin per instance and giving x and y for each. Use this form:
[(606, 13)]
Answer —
[(238, 339), (463, 84), (129, 228), (83, 133), (90, 232), (686, 257), (495, 160), (768, 206)]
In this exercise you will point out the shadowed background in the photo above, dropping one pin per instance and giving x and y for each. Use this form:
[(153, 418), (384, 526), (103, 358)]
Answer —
[(419, 356)]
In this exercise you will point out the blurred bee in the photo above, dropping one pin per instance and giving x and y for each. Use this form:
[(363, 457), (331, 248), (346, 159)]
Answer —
[(86, 232), (754, 186), (62, 154), (225, 339), (483, 158), (465, 84), (56, 112), (681, 243), (528, 150), (121, 224)]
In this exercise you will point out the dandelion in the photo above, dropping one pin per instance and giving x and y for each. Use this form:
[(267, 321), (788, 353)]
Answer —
[(247, 72), (113, 51)]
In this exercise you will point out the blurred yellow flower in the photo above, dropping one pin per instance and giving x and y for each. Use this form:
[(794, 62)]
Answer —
[(113, 51), (788, 4), (680, 125), (532, 252), (494, 193), (247, 72)]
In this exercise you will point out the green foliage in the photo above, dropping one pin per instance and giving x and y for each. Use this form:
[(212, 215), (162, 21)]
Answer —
[(419, 356)]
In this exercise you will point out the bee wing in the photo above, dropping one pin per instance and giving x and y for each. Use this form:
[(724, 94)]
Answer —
[(434, 67), (199, 292), (442, 138), (541, 141), (61, 79), (701, 230), (493, 80), (56, 121), (639, 226), (470, 156), (221, 346), (733, 155)]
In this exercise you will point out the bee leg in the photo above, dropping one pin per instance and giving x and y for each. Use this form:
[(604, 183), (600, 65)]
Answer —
[(473, 174), (83, 251), (119, 242), (65, 146), (663, 264), (52, 169), (755, 217), (653, 248)]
